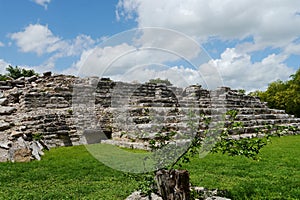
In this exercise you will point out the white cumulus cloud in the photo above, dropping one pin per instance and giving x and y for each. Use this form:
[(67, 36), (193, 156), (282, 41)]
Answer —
[(233, 69), (269, 22), (238, 71), (38, 39), (292, 49), (124, 63), (139, 48), (43, 3), (253, 25)]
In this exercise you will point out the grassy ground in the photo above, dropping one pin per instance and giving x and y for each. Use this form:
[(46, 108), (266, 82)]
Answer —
[(64, 173), (72, 173), (275, 176)]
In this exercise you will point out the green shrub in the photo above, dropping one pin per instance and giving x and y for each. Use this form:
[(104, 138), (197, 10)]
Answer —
[(16, 72), (160, 81)]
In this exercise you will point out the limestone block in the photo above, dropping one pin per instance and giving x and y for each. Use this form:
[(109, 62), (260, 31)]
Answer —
[(31, 79), (16, 134), (36, 148), (3, 155), (22, 155), (137, 196), (4, 125), (6, 110), (5, 87), (3, 102), (47, 74), (20, 143), (5, 145)]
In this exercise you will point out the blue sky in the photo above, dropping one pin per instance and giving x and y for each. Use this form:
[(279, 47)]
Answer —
[(249, 43), (66, 20)]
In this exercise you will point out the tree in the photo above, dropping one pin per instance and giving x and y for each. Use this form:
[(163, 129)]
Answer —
[(283, 95), (242, 91), (16, 72)]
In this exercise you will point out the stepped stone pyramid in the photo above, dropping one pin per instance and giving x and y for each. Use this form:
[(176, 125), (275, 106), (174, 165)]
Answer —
[(60, 110)]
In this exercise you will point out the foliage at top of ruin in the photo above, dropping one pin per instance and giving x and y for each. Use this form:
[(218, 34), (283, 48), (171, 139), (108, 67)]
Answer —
[(17, 72), (160, 81)]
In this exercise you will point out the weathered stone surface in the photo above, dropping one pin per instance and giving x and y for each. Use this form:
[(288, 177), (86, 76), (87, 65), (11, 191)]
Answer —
[(5, 87), (6, 110), (5, 145), (138, 196), (206, 194), (47, 74), (36, 148), (3, 102), (60, 110), (4, 125), (22, 155), (127, 144), (94, 136), (3, 155), (21, 143), (31, 79)]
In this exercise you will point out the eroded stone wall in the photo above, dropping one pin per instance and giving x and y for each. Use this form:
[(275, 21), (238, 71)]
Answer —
[(59, 110)]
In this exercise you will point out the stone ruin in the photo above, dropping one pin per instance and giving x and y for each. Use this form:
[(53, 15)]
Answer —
[(41, 112)]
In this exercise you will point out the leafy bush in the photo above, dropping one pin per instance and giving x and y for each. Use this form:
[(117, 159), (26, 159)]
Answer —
[(3, 77), (160, 81), (16, 72)]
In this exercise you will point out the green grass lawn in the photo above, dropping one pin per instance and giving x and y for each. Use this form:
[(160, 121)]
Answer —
[(72, 173), (275, 176)]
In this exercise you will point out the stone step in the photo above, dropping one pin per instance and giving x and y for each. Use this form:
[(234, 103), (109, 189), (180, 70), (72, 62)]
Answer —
[(128, 144), (146, 135), (164, 110), (262, 116)]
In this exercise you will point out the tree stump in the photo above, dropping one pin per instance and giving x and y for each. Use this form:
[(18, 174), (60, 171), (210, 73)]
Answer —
[(173, 184)]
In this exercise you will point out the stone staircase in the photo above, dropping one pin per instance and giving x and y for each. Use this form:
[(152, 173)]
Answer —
[(141, 113), (59, 110)]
